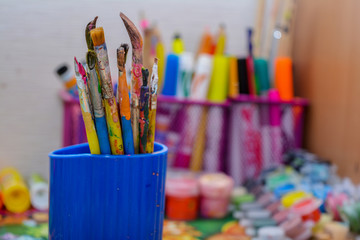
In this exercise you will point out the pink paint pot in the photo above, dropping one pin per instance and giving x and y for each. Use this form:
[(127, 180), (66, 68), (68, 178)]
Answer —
[(293, 227), (308, 209), (281, 216), (182, 198), (334, 202), (266, 199), (215, 191), (274, 207)]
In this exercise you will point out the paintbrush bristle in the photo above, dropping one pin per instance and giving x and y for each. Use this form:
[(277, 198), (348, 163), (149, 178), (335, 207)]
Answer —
[(97, 35), (91, 25), (134, 34)]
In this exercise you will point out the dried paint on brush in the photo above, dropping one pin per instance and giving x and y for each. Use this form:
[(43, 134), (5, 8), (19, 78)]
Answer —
[(152, 113), (136, 75), (90, 26), (111, 111), (124, 101), (95, 91), (144, 111), (123, 90), (80, 75)]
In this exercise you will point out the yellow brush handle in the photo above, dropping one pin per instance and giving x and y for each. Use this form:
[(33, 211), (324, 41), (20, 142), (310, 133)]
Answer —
[(15, 194), (151, 133), (196, 161), (114, 128), (91, 133)]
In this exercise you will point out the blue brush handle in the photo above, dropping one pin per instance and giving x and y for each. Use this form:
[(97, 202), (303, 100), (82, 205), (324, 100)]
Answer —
[(127, 135), (102, 132)]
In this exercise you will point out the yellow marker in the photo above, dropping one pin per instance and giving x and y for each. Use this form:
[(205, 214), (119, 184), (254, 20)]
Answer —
[(291, 198), (16, 195), (178, 45), (219, 80), (86, 111), (160, 55)]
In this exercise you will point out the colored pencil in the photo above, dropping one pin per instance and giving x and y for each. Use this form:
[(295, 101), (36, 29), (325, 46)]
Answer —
[(124, 100), (80, 75), (250, 66), (258, 28), (111, 111), (136, 75), (206, 44), (95, 92), (153, 102), (221, 40), (144, 111)]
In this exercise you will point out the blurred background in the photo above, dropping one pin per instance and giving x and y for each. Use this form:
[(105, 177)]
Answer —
[(38, 36), (279, 112)]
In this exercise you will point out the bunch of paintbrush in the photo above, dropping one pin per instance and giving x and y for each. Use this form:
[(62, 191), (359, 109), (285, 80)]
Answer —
[(105, 133)]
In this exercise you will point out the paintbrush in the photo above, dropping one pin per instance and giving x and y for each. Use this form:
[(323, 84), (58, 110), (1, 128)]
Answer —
[(124, 100), (144, 111), (95, 92), (136, 75), (111, 111), (91, 135), (153, 101)]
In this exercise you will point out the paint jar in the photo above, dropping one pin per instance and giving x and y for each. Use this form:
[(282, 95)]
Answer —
[(215, 191), (39, 192), (106, 196), (291, 198), (15, 193), (308, 209), (182, 198), (334, 202), (284, 189), (271, 233)]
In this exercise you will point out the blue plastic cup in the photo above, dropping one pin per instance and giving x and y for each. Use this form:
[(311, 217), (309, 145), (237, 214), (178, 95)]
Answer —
[(106, 196)]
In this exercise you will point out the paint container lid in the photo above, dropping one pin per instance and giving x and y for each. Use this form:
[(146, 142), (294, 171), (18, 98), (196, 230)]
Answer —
[(306, 206), (250, 206), (266, 199), (182, 187), (281, 216), (245, 222), (246, 198), (258, 214), (284, 189), (338, 231), (251, 232), (274, 207), (238, 215), (238, 191), (259, 223), (269, 233), (216, 185), (305, 235), (293, 226), (291, 198), (335, 201)]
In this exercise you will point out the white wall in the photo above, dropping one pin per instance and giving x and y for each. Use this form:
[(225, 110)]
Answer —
[(36, 36)]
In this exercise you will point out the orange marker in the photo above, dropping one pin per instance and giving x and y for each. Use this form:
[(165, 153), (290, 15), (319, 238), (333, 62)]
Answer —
[(284, 78)]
